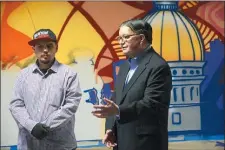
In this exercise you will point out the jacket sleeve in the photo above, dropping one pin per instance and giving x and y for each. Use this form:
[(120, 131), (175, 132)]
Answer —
[(17, 106), (71, 102), (156, 96)]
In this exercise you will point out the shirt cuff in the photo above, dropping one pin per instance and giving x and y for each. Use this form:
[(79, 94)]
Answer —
[(29, 125), (118, 116)]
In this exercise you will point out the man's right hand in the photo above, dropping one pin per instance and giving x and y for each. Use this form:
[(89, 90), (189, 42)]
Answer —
[(109, 139), (40, 131)]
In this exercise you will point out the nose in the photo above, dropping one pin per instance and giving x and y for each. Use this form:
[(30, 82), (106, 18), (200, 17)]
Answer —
[(45, 50), (121, 42)]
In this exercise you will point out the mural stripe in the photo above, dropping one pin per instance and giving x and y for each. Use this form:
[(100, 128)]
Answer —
[(178, 37), (188, 34), (161, 41)]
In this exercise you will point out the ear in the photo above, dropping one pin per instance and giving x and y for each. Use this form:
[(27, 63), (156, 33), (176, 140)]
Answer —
[(142, 37)]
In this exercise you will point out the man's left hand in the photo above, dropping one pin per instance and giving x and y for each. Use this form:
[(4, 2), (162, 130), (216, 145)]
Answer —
[(104, 111)]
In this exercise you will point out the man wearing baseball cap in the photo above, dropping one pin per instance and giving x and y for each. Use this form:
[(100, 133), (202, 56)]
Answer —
[(45, 99)]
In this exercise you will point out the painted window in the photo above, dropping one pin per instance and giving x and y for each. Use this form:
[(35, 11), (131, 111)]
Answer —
[(176, 118)]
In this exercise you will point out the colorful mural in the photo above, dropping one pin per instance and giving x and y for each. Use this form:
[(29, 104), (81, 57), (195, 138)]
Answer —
[(188, 34)]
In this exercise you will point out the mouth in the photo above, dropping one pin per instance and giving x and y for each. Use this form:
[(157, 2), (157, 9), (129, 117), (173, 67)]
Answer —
[(124, 47), (45, 56)]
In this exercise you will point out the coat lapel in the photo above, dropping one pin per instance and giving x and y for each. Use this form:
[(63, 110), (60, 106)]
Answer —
[(141, 67), (121, 79)]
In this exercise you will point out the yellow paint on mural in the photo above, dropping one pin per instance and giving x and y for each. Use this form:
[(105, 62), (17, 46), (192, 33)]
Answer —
[(175, 38), (206, 32), (202, 28), (156, 27), (209, 37), (195, 40), (185, 44), (78, 34), (31, 16), (169, 38)]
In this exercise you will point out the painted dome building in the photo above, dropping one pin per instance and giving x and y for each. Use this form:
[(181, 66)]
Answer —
[(178, 40)]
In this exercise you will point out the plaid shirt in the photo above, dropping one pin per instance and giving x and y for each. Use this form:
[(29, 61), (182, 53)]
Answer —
[(51, 99)]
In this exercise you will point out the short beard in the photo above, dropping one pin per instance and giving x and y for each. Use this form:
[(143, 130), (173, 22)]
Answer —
[(45, 62)]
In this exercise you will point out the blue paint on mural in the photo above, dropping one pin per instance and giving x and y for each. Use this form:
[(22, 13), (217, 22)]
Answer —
[(13, 147), (220, 144), (106, 93), (93, 95), (93, 98), (212, 110)]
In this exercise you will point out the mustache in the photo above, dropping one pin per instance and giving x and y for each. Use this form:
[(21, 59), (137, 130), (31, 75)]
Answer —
[(46, 54)]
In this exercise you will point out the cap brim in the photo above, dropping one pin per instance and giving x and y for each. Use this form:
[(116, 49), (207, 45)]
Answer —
[(33, 42)]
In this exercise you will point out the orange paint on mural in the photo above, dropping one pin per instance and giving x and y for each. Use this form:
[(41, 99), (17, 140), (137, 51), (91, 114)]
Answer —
[(213, 13), (107, 12), (14, 46)]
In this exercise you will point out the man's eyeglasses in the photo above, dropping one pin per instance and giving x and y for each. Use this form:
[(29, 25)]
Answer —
[(125, 37)]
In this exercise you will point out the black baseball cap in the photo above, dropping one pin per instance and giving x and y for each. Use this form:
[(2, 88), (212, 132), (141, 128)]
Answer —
[(43, 34)]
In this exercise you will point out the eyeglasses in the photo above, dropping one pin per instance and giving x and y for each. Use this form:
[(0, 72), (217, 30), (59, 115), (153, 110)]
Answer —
[(125, 37)]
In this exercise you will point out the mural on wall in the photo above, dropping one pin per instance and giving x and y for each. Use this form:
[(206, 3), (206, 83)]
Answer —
[(189, 35)]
